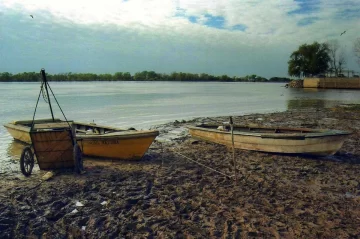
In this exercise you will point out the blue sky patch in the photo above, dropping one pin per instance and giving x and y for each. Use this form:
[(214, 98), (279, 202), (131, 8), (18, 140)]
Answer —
[(215, 21), (306, 6), (307, 21), (193, 19), (348, 14), (239, 27)]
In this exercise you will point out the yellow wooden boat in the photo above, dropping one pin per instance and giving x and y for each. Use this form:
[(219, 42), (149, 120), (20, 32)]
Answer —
[(95, 140), (53, 143), (320, 142)]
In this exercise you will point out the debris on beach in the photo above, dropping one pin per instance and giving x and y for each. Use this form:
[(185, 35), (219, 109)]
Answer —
[(168, 196), (79, 204), (47, 176)]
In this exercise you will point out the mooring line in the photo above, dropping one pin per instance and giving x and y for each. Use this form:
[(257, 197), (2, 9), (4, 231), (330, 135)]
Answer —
[(229, 176)]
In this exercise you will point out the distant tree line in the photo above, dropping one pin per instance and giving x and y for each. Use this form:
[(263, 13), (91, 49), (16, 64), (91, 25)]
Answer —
[(139, 76)]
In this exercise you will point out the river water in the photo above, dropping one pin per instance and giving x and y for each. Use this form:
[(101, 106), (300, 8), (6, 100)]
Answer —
[(144, 104)]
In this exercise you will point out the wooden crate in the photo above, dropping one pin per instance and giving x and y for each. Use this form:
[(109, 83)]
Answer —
[(53, 148)]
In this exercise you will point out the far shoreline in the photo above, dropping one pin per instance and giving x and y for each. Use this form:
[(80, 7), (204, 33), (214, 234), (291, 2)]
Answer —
[(19, 81), (138, 76)]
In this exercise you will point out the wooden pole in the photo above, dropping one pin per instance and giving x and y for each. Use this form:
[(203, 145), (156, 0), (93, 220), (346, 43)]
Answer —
[(47, 92), (233, 147)]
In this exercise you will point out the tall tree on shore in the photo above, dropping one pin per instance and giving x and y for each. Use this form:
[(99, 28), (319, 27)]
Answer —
[(357, 49), (309, 60), (337, 57)]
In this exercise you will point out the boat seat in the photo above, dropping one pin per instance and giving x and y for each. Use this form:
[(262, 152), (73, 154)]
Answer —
[(51, 125), (87, 131), (81, 131)]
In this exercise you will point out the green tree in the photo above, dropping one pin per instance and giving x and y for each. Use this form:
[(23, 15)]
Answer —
[(337, 57), (127, 76), (309, 60), (5, 76), (118, 76), (357, 49)]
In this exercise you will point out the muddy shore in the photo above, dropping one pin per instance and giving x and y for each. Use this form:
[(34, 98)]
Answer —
[(166, 195)]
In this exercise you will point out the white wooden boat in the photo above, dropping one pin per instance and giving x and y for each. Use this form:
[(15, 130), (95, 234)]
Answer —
[(320, 142)]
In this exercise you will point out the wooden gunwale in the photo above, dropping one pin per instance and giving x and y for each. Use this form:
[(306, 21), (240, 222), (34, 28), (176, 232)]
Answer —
[(304, 132), (127, 135), (309, 141)]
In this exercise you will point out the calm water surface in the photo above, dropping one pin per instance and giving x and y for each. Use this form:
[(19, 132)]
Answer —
[(144, 104)]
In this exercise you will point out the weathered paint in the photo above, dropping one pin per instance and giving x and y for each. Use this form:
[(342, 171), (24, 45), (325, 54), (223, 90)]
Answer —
[(125, 149), (124, 145), (321, 144), (53, 149), (19, 133), (332, 83)]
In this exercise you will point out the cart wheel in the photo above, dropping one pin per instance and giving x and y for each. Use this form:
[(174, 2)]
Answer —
[(78, 159), (26, 161)]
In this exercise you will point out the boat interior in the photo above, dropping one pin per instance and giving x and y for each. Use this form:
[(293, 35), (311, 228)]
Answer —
[(80, 128), (259, 129), (92, 128)]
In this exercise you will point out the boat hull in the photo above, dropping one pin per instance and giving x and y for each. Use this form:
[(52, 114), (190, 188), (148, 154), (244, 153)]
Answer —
[(317, 144), (129, 148), (124, 145), (19, 133)]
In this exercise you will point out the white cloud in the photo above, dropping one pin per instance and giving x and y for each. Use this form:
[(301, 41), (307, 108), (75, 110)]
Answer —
[(157, 25), (104, 12)]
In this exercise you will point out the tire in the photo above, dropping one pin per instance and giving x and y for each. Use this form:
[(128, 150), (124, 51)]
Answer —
[(27, 161), (77, 154)]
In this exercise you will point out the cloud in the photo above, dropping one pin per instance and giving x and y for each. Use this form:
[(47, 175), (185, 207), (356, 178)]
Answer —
[(307, 21), (240, 27), (346, 14), (306, 7), (220, 37)]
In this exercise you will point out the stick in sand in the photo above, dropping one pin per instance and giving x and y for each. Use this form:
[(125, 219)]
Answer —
[(233, 147)]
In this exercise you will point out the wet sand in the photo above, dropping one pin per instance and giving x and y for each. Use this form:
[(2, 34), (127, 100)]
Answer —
[(169, 196)]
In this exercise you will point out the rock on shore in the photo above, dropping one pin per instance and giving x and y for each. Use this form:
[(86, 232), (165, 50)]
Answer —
[(296, 84)]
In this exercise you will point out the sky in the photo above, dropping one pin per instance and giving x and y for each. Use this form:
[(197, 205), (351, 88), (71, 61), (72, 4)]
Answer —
[(232, 37)]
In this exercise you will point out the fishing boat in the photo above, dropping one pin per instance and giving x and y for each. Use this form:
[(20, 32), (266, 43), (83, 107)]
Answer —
[(53, 144), (319, 142), (95, 140)]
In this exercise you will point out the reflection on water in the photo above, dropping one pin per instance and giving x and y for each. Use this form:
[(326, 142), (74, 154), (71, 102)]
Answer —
[(14, 150), (310, 103), (310, 89), (320, 98), (10, 163)]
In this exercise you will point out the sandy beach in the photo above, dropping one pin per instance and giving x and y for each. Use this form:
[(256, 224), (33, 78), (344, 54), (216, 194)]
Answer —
[(167, 195)]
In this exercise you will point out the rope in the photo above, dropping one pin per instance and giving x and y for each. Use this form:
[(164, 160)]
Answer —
[(59, 106), (37, 102), (44, 94), (214, 120), (214, 170)]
